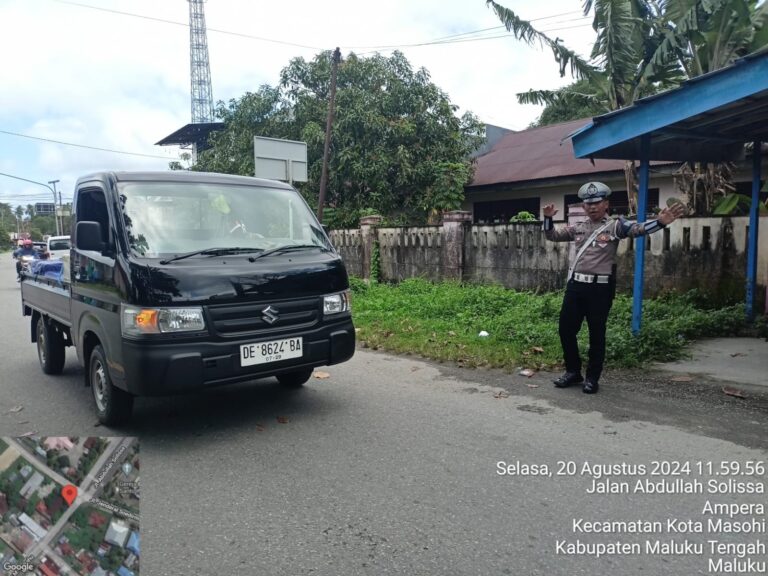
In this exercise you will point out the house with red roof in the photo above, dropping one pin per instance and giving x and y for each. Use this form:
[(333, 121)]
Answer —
[(88, 562), (48, 567), (42, 509), (525, 170)]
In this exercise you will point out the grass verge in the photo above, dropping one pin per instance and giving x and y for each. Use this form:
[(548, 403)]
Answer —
[(442, 321)]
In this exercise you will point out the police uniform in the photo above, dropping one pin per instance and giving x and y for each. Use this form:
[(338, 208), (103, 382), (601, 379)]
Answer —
[(591, 284)]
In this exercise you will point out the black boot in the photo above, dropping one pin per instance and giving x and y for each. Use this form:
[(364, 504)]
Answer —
[(568, 379), (590, 386)]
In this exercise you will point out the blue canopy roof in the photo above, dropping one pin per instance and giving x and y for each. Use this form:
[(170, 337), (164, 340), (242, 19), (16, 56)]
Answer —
[(708, 118)]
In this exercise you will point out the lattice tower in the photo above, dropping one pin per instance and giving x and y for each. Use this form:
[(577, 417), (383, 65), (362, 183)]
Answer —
[(200, 69)]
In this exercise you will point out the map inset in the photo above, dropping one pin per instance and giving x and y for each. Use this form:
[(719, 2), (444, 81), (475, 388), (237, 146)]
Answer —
[(69, 506)]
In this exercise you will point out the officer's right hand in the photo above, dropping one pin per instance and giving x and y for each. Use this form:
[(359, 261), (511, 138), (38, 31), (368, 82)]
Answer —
[(549, 210)]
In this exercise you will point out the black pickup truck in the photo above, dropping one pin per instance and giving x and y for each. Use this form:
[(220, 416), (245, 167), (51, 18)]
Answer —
[(181, 280)]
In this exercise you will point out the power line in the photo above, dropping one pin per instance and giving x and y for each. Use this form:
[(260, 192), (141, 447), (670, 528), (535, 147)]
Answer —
[(492, 28), (441, 40), (186, 25), (463, 40), (83, 145)]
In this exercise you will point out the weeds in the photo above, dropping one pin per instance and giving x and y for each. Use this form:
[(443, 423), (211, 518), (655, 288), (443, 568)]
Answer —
[(443, 321)]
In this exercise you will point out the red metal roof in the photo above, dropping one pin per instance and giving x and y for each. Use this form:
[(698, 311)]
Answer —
[(537, 154)]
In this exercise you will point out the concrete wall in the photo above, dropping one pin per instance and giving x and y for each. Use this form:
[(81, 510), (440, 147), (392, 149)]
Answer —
[(704, 253), (516, 256), (349, 244), (411, 252)]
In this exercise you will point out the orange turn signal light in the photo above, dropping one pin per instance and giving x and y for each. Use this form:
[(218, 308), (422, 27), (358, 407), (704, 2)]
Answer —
[(146, 321)]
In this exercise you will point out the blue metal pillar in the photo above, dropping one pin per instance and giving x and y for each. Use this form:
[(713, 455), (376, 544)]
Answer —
[(642, 201), (754, 222)]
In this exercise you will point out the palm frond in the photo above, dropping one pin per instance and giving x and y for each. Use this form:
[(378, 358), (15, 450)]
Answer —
[(616, 23), (523, 30), (554, 97)]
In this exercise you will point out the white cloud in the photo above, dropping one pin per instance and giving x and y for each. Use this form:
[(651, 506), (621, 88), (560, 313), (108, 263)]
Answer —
[(108, 80)]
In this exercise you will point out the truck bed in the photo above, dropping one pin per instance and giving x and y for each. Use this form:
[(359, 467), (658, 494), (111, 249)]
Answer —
[(47, 295)]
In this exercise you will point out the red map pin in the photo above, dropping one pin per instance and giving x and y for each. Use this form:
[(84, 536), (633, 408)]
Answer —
[(69, 493)]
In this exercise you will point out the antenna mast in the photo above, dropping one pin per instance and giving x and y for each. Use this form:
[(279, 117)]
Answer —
[(200, 70)]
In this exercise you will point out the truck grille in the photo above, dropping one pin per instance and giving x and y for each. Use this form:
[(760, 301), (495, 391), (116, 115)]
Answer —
[(264, 318)]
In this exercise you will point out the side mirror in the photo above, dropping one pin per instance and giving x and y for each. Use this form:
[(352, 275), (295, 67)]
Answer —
[(88, 236)]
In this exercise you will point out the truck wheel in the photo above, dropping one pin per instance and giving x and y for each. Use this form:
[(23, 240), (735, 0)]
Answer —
[(50, 348), (113, 405), (295, 379)]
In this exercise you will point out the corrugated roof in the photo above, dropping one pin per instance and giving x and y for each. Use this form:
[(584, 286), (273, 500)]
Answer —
[(537, 154), (708, 118)]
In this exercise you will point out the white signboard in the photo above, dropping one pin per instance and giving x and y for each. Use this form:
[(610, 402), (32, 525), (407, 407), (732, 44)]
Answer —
[(280, 159)]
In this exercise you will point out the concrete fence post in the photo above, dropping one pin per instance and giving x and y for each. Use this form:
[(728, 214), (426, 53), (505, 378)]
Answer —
[(455, 227), (368, 225)]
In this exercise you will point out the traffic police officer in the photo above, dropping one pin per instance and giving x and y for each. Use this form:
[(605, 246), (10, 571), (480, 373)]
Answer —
[(591, 284)]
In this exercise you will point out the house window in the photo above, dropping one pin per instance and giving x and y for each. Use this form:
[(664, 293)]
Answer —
[(500, 211)]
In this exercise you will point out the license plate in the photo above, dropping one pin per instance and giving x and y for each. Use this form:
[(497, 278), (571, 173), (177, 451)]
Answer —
[(272, 351)]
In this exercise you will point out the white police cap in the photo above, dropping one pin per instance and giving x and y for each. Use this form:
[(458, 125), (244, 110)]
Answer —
[(594, 192)]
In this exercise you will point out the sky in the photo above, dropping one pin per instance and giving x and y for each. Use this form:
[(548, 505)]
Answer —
[(80, 72)]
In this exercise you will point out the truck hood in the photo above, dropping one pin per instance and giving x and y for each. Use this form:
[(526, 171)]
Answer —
[(222, 279)]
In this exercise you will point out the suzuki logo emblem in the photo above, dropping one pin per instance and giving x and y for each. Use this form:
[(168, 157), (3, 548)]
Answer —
[(269, 315)]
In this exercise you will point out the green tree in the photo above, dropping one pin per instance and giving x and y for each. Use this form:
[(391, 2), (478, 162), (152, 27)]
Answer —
[(642, 47), (706, 35), (39, 226), (7, 225), (395, 139), (254, 114)]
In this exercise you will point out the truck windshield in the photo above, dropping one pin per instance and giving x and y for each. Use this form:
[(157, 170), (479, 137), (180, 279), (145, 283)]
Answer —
[(164, 219)]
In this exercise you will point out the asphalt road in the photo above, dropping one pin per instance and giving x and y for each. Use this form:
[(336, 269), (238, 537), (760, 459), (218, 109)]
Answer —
[(389, 466)]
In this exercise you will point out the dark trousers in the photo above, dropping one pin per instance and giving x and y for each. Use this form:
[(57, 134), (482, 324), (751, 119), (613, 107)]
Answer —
[(593, 302)]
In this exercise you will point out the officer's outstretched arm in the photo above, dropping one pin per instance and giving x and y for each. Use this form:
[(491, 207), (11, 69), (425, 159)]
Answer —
[(560, 234)]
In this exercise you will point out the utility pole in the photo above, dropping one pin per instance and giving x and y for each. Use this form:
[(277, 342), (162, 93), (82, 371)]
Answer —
[(328, 126), (55, 212)]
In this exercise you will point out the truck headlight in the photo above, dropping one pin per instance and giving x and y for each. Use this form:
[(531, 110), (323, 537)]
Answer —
[(136, 321), (336, 303)]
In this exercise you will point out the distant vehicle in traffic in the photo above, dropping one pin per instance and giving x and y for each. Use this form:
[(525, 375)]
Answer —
[(58, 246)]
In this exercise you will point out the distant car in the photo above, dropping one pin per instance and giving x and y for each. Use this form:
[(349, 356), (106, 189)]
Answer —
[(58, 246), (40, 246)]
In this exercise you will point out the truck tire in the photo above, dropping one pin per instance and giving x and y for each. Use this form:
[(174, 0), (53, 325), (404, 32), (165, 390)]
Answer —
[(50, 347), (295, 379), (113, 405)]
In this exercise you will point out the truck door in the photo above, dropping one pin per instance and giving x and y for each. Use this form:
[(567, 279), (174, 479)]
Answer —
[(95, 295)]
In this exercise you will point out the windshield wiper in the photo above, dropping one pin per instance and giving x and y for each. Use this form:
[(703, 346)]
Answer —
[(288, 248), (210, 252)]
